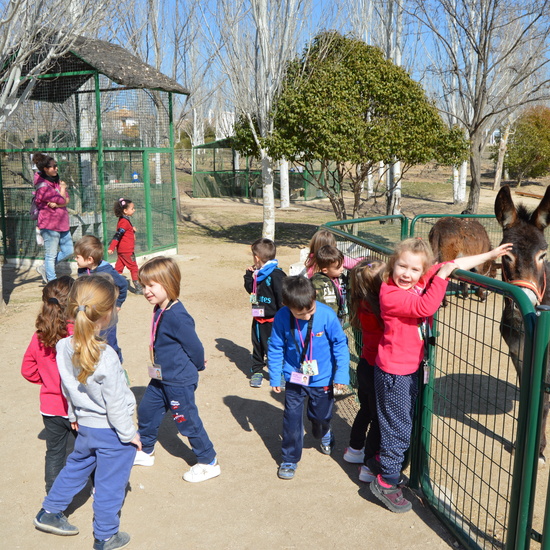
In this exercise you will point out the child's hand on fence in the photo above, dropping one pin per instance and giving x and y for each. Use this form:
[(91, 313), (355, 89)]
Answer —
[(111, 252), (446, 269)]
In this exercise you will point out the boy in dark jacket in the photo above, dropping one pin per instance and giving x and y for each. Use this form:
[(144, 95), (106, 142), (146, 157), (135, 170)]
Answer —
[(88, 253), (263, 281), (329, 282)]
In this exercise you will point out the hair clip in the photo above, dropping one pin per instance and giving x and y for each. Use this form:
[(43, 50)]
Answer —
[(122, 201), (53, 301), (81, 308)]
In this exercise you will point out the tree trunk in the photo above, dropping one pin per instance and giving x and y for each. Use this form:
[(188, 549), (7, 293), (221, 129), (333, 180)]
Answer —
[(475, 173), (459, 183), (283, 182), (502, 147), (393, 201), (268, 230)]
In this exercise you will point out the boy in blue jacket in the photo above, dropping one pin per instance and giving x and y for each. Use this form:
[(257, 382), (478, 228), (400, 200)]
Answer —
[(88, 253), (308, 346)]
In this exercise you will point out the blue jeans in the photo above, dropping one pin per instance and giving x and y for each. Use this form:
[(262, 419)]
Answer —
[(52, 241)]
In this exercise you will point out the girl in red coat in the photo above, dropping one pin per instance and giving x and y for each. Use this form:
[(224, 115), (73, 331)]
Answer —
[(411, 293), (40, 367), (125, 240), (364, 307)]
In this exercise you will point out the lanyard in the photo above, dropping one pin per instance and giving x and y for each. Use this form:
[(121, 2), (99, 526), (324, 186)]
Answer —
[(154, 327), (309, 337), (254, 282)]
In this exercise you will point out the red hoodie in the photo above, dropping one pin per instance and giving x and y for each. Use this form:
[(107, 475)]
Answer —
[(372, 331), (402, 348), (40, 367)]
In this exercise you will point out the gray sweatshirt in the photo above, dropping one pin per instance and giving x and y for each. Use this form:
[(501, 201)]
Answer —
[(105, 401)]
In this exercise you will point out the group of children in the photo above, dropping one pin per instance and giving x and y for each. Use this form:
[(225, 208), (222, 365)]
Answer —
[(75, 359), (392, 305)]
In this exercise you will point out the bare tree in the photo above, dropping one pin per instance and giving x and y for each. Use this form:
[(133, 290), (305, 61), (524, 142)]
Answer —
[(257, 39), (498, 50)]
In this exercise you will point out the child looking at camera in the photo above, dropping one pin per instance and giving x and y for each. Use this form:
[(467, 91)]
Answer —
[(89, 259), (124, 241), (101, 406), (411, 293), (177, 356), (329, 281), (263, 281), (310, 348)]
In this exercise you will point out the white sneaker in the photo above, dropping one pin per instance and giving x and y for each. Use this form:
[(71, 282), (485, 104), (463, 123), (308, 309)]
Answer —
[(202, 472), (354, 456), (144, 459), (41, 269)]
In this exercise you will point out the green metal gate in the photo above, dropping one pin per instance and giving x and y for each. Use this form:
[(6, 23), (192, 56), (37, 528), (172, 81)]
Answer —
[(474, 453)]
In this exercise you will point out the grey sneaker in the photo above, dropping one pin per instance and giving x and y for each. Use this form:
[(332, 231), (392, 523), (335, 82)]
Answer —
[(54, 523), (256, 380), (41, 270), (392, 497), (287, 470), (326, 448), (118, 540), (138, 289)]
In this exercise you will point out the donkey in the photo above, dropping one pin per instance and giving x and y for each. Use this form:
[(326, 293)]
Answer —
[(452, 238), (525, 266)]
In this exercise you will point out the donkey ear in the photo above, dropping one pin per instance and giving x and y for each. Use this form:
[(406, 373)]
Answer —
[(505, 210), (540, 218)]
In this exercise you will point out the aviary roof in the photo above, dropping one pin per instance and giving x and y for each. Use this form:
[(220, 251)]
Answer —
[(111, 60)]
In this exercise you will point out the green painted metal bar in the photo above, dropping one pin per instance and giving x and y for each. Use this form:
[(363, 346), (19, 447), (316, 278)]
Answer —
[(536, 377), (175, 187), (425, 216), (101, 163), (52, 150), (352, 238), (147, 189), (90, 72)]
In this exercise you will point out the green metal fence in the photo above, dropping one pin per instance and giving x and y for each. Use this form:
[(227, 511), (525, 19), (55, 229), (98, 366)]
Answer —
[(474, 452)]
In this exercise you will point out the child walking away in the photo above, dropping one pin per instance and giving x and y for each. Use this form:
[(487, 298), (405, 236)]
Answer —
[(89, 259), (264, 282), (329, 282), (411, 293), (125, 241), (323, 237), (101, 406), (177, 356), (40, 367), (364, 443), (309, 346)]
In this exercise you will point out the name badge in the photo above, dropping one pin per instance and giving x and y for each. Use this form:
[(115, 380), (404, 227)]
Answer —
[(155, 371), (258, 311), (310, 367), (299, 378)]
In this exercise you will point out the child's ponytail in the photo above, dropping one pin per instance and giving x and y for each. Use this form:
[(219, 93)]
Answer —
[(365, 283), (51, 323), (92, 300)]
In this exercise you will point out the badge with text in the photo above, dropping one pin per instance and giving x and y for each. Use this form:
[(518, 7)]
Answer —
[(310, 367), (258, 311), (154, 371), (299, 378)]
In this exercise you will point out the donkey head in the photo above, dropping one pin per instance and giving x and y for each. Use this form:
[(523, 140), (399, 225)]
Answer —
[(525, 264)]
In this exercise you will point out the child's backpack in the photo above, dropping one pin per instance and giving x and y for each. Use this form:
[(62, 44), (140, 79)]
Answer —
[(34, 209)]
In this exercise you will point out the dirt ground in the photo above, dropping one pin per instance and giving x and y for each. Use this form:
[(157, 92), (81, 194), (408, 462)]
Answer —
[(325, 506)]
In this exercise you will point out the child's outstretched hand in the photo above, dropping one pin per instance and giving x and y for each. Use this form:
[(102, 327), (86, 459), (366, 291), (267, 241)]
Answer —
[(446, 269), (500, 250)]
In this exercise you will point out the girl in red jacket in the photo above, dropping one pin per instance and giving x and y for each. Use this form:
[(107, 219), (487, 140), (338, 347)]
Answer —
[(125, 240), (40, 367), (411, 293), (364, 307)]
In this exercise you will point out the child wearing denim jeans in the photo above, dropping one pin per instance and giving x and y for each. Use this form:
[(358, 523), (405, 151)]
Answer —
[(309, 347)]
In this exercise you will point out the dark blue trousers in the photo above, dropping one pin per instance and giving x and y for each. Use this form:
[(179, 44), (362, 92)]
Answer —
[(366, 419), (110, 336), (58, 429), (320, 403), (395, 399), (159, 398), (98, 448)]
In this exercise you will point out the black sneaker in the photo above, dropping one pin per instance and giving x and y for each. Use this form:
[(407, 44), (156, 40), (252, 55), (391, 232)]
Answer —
[(138, 289), (392, 497), (54, 523), (119, 540)]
